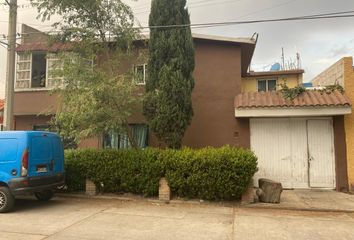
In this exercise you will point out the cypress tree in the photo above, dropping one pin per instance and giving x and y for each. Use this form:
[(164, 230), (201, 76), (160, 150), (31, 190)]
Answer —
[(168, 101)]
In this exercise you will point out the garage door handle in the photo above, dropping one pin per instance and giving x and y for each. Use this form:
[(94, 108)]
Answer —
[(286, 158)]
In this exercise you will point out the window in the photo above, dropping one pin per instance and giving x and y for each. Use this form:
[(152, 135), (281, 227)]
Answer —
[(267, 85), (140, 72), (24, 65), (35, 70), (53, 63), (39, 70), (43, 127), (121, 141)]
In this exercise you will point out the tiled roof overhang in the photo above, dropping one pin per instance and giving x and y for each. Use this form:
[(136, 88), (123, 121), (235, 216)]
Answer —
[(275, 73), (2, 103), (309, 103)]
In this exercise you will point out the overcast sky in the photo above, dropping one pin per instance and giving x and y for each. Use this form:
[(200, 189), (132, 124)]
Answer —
[(319, 42)]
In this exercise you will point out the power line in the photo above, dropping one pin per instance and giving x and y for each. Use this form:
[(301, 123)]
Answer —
[(345, 14), (308, 17)]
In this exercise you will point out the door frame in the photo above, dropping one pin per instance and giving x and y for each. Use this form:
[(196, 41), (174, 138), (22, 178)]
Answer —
[(330, 119), (333, 162)]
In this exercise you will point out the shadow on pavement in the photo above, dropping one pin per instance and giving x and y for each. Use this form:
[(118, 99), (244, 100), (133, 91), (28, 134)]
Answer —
[(24, 204)]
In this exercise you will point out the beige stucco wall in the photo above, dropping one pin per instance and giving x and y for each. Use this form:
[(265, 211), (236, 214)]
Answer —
[(249, 84)]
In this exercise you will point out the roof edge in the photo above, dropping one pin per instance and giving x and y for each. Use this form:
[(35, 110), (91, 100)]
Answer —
[(272, 73)]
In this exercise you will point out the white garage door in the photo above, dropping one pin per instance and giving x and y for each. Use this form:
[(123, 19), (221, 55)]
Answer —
[(298, 153)]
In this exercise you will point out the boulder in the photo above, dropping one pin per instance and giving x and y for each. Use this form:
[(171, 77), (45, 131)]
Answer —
[(269, 191)]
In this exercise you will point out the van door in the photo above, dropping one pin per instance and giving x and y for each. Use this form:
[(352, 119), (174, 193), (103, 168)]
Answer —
[(40, 156), (58, 155)]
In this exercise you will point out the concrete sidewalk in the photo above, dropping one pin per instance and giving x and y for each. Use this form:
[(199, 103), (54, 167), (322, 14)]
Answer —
[(302, 200), (91, 219), (311, 200)]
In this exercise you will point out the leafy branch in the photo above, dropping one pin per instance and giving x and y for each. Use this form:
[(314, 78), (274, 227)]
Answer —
[(291, 93), (332, 88)]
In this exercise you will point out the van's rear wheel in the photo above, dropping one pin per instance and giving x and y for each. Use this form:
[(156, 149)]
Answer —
[(7, 200), (45, 195)]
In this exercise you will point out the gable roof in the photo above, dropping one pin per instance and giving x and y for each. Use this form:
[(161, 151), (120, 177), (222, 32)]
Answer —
[(275, 99)]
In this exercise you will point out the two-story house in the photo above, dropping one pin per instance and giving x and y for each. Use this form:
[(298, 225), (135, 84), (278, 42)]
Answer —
[(298, 142), (220, 64)]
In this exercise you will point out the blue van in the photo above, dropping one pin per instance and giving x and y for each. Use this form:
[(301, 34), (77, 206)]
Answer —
[(31, 162)]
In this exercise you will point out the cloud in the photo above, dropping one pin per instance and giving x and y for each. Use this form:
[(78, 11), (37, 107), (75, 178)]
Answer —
[(340, 50), (324, 61)]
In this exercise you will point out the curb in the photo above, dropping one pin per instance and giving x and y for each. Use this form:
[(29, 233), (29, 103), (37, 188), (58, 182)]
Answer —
[(105, 197), (198, 202), (329, 210), (142, 199)]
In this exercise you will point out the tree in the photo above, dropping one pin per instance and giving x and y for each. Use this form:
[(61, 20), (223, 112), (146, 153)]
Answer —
[(98, 96), (168, 101)]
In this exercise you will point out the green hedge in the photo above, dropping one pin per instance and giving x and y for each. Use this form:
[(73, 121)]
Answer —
[(209, 173)]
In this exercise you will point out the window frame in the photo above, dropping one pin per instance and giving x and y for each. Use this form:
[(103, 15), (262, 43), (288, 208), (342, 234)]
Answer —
[(48, 59), (145, 66), (42, 127), (267, 84), (18, 62)]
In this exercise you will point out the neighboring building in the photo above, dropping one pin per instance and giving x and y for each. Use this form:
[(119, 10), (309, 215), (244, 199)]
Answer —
[(285, 134), (342, 73), (2, 104), (299, 142), (271, 80)]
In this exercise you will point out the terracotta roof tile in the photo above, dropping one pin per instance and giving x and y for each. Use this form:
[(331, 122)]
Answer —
[(2, 103), (309, 98)]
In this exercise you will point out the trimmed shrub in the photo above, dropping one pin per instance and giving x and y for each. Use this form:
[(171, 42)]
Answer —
[(133, 171), (209, 173)]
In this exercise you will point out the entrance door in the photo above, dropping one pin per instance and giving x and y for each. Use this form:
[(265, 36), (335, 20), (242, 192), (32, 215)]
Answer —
[(271, 142), (297, 152), (321, 153)]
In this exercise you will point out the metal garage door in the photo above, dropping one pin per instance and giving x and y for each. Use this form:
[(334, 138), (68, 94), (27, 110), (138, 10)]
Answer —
[(297, 152)]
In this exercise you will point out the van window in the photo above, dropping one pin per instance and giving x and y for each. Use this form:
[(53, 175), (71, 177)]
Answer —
[(40, 148), (8, 150)]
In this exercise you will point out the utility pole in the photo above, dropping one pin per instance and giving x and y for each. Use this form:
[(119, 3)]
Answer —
[(10, 73)]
